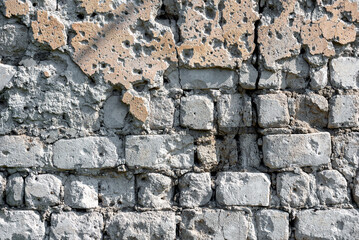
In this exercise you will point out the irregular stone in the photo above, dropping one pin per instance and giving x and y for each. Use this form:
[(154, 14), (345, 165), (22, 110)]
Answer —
[(272, 224), (162, 113), (13, 39), (301, 150), (15, 190), (115, 112), (15, 224), (213, 224), (81, 192), (207, 152), (42, 190), (211, 78), (6, 73), (236, 188), (248, 151), (117, 191), (356, 190), (271, 80), (21, 151), (48, 29), (332, 187), (344, 72), (312, 109), (15, 8), (160, 151), (92, 6), (197, 112), (248, 75), (319, 78), (272, 110), (154, 190), (72, 225), (327, 224), (227, 151), (147, 225), (296, 190), (195, 189), (234, 111), (2, 187), (137, 105), (88, 152), (343, 111)]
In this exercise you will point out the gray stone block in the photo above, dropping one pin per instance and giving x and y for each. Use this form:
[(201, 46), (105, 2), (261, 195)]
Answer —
[(236, 188), (81, 192), (6, 74), (272, 110), (344, 111), (162, 112), (195, 189), (115, 112), (327, 224), (160, 151), (21, 151), (344, 72), (2, 187), (15, 190), (42, 190), (145, 225), (22, 224), (319, 78), (197, 112), (249, 151), (332, 187), (88, 152), (77, 226), (272, 225), (248, 76), (211, 78), (301, 150)]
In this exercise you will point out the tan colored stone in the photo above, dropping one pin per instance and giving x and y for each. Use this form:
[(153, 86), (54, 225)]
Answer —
[(15, 8), (49, 30), (92, 6), (137, 106)]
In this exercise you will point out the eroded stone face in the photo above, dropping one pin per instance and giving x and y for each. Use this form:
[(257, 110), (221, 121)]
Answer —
[(15, 8)]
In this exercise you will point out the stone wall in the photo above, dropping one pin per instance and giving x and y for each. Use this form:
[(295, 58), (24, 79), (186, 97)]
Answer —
[(179, 119)]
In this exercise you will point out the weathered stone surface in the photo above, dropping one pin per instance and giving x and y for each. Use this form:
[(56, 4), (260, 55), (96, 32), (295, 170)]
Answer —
[(271, 80), (344, 72), (296, 190), (88, 152), (312, 109), (272, 110), (234, 111), (213, 224), (249, 151), (236, 188), (71, 225), (15, 8), (207, 152), (160, 151), (21, 151), (81, 192), (248, 75), (195, 189), (145, 225), (13, 39), (42, 190), (6, 73), (15, 190), (117, 191), (154, 190), (332, 187), (21, 225), (115, 112), (162, 113), (2, 187), (327, 224), (197, 112), (344, 111), (318, 78), (296, 150), (211, 78), (272, 224)]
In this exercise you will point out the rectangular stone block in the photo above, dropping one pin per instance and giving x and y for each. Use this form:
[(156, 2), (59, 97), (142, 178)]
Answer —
[(344, 72), (282, 150), (71, 225), (147, 225), (244, 189), (21, 225), (21, 151), (211, 78), (327, 224), (272, 224), (344, 111), (160, 151), (88, 152)]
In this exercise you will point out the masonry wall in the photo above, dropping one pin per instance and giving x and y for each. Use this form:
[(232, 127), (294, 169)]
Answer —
[(179, 119)]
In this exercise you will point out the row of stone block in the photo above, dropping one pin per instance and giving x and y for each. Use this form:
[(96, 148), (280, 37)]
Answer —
[(194, 224)]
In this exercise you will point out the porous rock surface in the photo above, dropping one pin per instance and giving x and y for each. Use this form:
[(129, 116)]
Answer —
[(179, 119)]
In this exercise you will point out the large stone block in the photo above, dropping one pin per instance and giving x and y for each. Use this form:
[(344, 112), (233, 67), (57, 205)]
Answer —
[(81, 192), (195, 189), (332, 187), (344, 72), (214, 224), (77, 226), (21, 225), (327, 224), (15, 190), (21, 151), (236, 188), (115, 112), (272, 110), (162, 112), (249, 151), (145, 225), (211, 78), (344, 111), (272, 225), (248, 76), (88, 152), (280, 151), (160, 151)]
